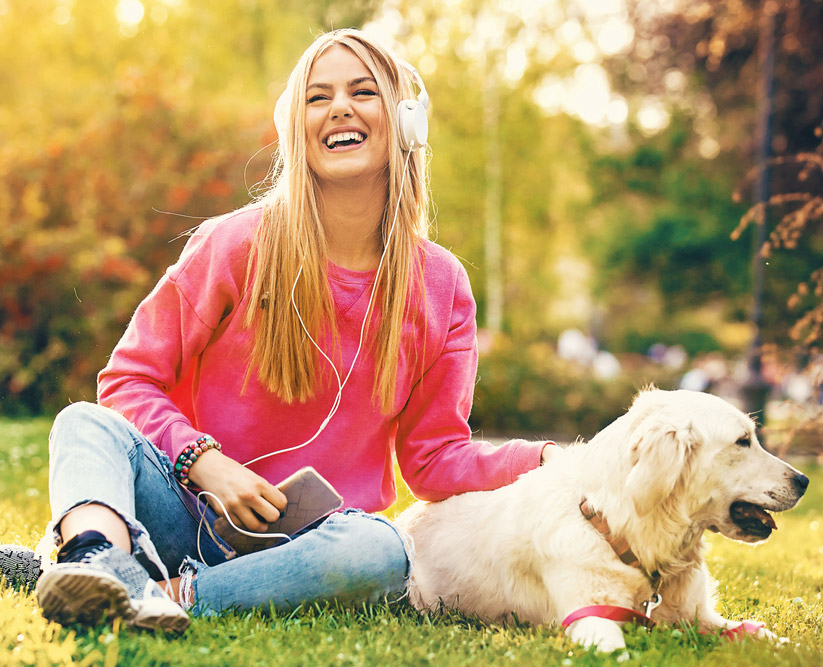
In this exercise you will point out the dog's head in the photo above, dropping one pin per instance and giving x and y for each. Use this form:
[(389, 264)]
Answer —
[(699, 453)]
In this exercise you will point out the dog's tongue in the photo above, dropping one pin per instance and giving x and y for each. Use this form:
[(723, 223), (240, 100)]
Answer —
[(746, 512)]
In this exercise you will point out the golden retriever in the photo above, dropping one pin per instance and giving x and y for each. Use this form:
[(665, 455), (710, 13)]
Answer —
[(677, 463)]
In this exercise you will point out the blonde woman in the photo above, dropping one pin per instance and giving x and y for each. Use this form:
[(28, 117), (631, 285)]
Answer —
[(316, 327)]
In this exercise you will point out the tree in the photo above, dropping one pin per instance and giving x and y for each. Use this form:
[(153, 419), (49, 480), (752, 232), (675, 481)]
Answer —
[(123, 125), (702, 60), (661, 238), (497, 156)]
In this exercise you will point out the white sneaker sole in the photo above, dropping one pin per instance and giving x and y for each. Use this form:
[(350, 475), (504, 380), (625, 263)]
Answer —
[(74, 594)]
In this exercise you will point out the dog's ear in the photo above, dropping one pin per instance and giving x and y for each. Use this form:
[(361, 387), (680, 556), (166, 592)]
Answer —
[(659, 451)]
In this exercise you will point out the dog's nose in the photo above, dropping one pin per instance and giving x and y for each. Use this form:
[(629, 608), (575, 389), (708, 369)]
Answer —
[(801, 483)]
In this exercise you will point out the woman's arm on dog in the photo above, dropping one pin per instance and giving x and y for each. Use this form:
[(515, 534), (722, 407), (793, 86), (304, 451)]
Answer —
[(434, 447)]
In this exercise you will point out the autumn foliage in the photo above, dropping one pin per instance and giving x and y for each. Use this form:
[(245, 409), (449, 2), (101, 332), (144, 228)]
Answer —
[(119, 131), (91, 218)]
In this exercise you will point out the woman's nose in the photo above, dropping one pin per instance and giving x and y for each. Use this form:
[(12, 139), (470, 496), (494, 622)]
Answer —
[(340, 106)]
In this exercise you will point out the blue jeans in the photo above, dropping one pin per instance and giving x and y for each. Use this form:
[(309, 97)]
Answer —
[(97, 456)]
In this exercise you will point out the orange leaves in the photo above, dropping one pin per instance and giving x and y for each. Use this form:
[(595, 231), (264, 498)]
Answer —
[(30, 267), (178, 196), (796, 220), (203, 159), (82, 237), (218, 188), (120, 269)]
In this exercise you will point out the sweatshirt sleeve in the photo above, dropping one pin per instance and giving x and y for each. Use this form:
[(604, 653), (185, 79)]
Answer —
[(167, 333), (435, 452)]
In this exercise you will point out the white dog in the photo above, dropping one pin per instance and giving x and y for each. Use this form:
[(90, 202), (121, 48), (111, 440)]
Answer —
[(677, 463)]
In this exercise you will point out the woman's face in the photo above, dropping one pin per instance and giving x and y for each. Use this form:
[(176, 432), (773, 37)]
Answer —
[(346, 133)]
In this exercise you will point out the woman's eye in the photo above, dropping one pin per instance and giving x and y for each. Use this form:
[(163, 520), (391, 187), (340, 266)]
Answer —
[(320, 97)]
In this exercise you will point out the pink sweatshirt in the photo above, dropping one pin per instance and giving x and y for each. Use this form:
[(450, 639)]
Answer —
[(178, 373)]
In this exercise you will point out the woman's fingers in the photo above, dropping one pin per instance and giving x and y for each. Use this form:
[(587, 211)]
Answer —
[(265, 511), (275, 496), (259, 506), (248, 499), (250, 520)]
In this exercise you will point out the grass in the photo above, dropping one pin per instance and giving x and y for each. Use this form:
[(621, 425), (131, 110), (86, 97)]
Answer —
[(778, 582)]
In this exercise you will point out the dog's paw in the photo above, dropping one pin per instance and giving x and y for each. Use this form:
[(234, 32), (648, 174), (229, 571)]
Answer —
[(601, 633)]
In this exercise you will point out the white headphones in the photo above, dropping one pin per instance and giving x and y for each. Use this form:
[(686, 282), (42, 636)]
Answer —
[(412, 121)]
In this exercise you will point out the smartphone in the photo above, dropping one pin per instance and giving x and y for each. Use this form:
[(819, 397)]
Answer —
[(309, 498)]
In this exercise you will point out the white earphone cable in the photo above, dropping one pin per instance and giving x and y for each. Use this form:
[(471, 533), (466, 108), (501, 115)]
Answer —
[(340, 384)]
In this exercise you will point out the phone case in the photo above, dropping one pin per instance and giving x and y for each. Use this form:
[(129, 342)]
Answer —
[(310, 497)]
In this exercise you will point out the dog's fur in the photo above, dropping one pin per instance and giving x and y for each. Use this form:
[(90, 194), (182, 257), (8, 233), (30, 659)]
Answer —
[(661, 474)]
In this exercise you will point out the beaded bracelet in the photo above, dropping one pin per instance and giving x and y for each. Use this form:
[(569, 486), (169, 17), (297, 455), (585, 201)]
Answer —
[(190, 454)]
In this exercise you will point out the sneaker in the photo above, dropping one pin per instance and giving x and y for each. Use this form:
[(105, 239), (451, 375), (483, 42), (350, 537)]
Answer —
[(19, 565), (94, 580)]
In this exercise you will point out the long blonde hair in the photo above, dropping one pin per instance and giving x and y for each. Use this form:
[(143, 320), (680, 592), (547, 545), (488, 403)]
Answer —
[(290, 236)]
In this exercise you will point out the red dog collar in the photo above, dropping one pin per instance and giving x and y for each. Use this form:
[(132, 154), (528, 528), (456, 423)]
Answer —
[(742, 630), (626, 615), (610, 612)]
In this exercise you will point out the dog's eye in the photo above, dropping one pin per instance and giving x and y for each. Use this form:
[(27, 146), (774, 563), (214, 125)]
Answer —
[(745, 441)]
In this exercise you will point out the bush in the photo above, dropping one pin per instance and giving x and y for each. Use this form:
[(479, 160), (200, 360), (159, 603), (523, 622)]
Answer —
[(529, 391), (82, 238)]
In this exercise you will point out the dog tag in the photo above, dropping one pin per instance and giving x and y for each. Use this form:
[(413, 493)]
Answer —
[(651, 604)]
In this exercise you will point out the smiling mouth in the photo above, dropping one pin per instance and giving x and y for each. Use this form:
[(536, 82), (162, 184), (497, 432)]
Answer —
[(752, 519), (344, 139)]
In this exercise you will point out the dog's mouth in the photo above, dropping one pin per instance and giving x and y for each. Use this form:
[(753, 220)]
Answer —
[(752, 519)]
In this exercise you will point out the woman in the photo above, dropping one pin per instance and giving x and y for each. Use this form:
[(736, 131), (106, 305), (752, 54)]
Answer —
[(268, 337)]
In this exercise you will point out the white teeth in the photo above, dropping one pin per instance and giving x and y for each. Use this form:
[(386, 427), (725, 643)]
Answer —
[(334, 139)]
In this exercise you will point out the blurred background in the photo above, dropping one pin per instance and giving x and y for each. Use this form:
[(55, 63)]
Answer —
[(635, 187)]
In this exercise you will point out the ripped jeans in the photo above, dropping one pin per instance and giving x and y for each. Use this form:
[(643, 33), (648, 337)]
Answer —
[(97, 456)]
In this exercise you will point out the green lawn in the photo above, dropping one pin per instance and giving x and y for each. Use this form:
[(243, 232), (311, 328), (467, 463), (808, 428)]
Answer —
[(778, 582)]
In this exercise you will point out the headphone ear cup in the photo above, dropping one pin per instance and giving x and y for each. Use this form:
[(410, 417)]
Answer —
[(413, 124)]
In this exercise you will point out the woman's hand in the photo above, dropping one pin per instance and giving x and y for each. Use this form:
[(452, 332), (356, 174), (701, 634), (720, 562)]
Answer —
[(251, 502)]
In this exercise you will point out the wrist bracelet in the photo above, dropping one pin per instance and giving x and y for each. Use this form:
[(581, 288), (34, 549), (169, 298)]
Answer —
[(190, 454)]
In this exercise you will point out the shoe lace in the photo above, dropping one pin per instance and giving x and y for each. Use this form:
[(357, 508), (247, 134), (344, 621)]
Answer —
[(148, 548), (93, 551)]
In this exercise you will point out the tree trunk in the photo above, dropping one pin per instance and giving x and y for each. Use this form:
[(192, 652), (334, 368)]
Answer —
[(494, 188)]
